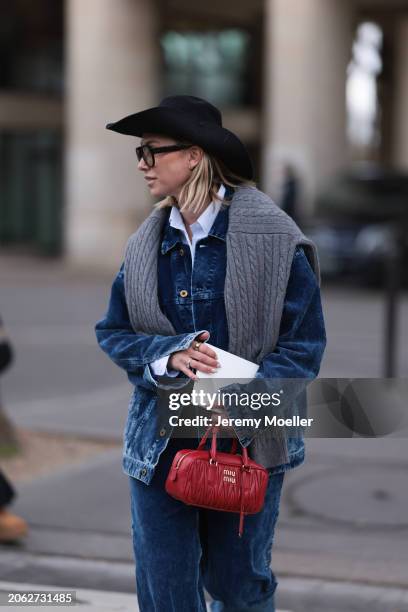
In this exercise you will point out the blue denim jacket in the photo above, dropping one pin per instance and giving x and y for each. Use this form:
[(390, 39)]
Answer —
[(298, 353)]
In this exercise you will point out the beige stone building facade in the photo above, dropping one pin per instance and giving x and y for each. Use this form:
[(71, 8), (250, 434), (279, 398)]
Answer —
[(283, 83)]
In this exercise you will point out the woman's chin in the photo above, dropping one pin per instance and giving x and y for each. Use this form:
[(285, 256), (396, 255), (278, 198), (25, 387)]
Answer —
[(155, 190)]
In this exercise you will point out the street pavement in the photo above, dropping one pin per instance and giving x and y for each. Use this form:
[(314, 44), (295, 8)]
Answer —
[(315, 595), (341, 540)]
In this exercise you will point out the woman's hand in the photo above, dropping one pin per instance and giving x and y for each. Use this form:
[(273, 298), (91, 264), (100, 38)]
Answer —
[(203, 358)]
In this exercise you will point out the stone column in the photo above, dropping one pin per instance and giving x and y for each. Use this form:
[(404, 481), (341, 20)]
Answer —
[(308, 47), (400, 96), (112, 51)]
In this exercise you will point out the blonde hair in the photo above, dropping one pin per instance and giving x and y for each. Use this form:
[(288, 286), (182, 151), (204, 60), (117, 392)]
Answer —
[(203, 185)]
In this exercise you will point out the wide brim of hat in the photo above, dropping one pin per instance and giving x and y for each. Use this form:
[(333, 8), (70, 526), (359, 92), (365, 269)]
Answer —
[(214, 139)]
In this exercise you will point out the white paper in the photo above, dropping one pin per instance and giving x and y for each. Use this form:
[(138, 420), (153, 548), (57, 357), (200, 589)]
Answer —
[(232, 366)]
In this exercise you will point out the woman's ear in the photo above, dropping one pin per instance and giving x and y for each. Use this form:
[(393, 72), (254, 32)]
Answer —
[(195, 156)]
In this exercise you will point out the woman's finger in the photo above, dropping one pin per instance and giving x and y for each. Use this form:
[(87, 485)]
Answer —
[(204, 349), (183, 368), (182, 362), (202, 367), (202, 358)]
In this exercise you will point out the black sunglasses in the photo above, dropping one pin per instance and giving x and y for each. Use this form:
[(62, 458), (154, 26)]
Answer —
[(147, 153)]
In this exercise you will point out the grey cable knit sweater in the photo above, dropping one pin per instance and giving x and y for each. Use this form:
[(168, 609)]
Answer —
[(261, 241)]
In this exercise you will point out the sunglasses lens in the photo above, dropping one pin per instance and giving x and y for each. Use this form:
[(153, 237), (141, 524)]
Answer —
[(148, 157), (145, 154)]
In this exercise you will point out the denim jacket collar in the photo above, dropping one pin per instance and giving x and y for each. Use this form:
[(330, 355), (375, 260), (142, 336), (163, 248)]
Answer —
[(172, 235)]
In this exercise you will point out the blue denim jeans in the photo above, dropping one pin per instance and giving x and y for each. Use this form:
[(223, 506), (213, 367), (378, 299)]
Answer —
[(181, 549)]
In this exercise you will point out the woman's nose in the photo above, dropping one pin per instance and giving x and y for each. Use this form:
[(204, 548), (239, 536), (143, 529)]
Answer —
[(142, 165)]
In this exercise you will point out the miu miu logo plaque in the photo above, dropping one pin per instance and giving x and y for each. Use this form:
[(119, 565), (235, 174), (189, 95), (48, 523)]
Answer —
[(229, 476)]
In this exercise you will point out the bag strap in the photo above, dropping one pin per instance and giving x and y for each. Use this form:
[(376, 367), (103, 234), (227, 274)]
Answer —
[(245, 468), (215, 428), (245, 475)]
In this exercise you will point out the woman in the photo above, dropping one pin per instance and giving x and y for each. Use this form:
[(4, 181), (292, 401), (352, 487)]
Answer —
[(216, 259)]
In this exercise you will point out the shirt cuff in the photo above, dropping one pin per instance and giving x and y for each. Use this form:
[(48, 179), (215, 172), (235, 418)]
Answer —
[(159, 367)]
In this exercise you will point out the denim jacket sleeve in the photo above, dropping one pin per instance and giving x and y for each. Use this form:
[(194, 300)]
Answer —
[(134, 351), (301, 343)]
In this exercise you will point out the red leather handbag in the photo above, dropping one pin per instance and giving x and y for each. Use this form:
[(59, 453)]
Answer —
[(217, 480)]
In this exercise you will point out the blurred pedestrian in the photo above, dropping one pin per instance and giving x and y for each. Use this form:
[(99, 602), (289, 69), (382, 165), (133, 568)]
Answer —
[(12, 527), (290, 192), (204, 264)]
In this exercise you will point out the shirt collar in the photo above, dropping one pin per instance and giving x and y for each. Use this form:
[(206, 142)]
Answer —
[(213, 221)]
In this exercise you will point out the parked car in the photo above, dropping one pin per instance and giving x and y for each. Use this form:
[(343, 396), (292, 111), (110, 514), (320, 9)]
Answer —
[(361, 216), (353, 251)]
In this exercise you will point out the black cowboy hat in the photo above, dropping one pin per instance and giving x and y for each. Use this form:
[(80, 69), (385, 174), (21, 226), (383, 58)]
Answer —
[(194, 120)]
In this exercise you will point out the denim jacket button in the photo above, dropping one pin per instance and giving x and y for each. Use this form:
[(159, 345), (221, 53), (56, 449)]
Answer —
[(143, 472), (181, 251), (183, 293), (162, 432)]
